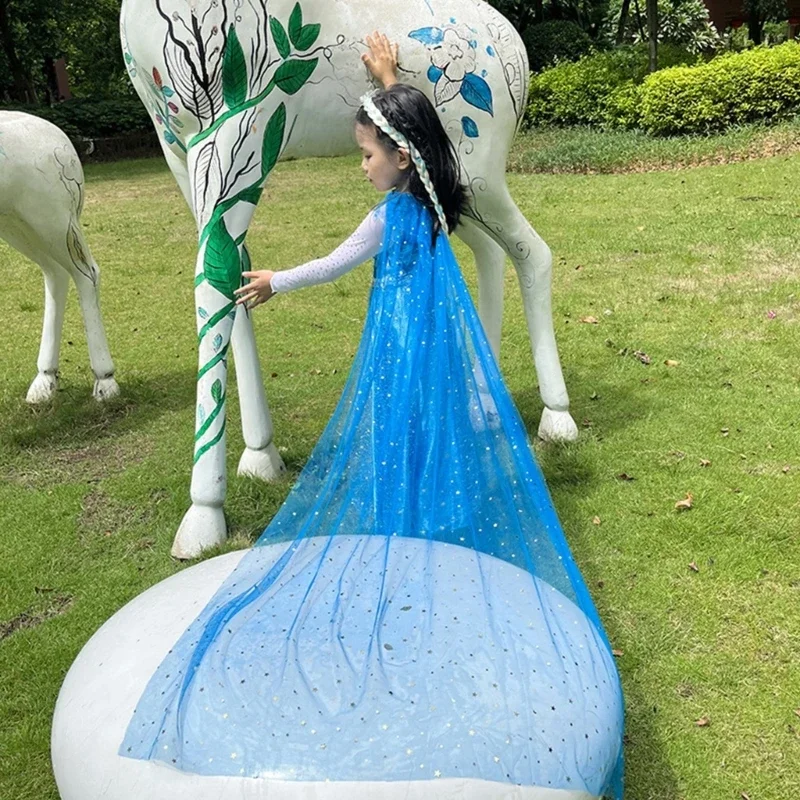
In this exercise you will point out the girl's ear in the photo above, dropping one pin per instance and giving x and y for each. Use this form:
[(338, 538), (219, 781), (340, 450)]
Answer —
[(403, 159)]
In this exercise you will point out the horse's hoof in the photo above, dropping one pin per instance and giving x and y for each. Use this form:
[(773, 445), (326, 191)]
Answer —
[(557, 426), (202, 527), (105, 389), (265, 464), (43, 389)]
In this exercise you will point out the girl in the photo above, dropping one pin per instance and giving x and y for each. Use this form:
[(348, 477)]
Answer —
[(412, 612)]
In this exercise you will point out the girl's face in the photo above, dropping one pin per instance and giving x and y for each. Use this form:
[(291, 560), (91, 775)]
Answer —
[(386, 168)]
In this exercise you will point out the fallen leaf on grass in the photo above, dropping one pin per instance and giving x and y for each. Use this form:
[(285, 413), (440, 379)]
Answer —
[(590, 320), (693, 567), (745, 796), (703, 722), (616, 653), (274, 375), (642, 356), (772, 314), (704, 462), (596, 520), (670, 363), (797, 712), (623, 476), (724, 431), (685, 504), (785, 469)]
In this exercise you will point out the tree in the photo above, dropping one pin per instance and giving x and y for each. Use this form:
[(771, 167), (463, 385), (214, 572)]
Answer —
[(35, 32), (761, 11), (26, 36)]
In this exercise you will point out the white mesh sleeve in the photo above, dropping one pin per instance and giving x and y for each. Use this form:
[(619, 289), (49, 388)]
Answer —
[(364, 244)]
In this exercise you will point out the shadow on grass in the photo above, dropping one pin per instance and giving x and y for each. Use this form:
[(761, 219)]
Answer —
[(605, 407), (75, 418)]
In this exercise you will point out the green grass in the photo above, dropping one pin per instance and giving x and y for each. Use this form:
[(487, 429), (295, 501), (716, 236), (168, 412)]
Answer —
[(590, 150), (697, 266)]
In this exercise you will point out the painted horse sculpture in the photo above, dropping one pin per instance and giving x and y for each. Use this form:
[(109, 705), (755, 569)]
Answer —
[(235, 86), (41, 198)]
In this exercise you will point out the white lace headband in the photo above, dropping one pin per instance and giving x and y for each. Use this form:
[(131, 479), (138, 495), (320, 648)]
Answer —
[(380, 120)]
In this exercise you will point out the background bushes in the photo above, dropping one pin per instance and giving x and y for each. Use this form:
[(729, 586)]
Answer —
[(94, 119), (555, 41), (689, 96)]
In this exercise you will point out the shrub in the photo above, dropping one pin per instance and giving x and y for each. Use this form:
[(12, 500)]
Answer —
[(95, 118), (598, 89), (555, 41), (762, 84)]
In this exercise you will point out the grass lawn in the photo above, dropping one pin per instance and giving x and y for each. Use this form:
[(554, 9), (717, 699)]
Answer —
[(698, 267), (590, 150)]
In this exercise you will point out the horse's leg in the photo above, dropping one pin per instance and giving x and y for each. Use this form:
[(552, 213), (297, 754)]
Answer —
[(498, 215), (56, 243), (260, 458), (56, 286), (490, 261), (86, 275), (223, 212)]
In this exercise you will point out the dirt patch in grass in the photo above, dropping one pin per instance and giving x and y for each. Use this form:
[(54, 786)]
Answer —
[(56, 605), (762, 271), (40, 468), (105, 516)]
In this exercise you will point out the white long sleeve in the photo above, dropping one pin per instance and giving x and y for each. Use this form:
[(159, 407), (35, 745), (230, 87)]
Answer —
[(364, 244)]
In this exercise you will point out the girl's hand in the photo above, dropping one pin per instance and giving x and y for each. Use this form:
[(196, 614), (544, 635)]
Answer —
[(381, 59), (258, 291)]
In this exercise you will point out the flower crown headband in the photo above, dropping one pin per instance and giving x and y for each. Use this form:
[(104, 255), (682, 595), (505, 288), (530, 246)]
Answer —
[(380, 120)]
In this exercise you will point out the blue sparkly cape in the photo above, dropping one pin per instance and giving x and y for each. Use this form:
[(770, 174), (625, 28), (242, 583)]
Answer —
[(413, 610)]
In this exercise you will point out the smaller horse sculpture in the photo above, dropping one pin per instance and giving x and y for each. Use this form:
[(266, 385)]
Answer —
[(41, 198)]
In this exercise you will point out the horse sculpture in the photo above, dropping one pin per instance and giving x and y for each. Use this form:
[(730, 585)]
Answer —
[(41, 198), (235, 85)]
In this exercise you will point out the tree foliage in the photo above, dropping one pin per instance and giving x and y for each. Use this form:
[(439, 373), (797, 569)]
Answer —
[(33, 33)]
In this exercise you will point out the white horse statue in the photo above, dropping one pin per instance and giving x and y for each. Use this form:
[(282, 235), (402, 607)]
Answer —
[(234, 86), (41, 197)]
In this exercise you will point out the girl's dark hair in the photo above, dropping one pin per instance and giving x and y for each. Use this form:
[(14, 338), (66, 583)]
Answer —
[(410, 112)]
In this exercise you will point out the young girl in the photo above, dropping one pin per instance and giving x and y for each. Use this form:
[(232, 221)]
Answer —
[(412, 612)]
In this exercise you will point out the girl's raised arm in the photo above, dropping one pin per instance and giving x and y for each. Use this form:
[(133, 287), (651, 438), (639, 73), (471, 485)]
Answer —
[(381, 59)]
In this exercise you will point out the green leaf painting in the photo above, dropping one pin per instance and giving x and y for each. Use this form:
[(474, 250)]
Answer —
[(295, 23), (234, 72), (308, 35), (280, 38), (302, 36), (292, 75), (273, 140), (221, 264), (216, 390), (252, 194)]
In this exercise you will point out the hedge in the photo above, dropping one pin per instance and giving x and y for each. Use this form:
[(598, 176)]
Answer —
[(94, 119), (759, 85), (614, 90), (596, 90)]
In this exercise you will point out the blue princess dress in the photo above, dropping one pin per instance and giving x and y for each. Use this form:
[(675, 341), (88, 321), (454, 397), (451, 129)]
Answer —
[(412, 611)]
